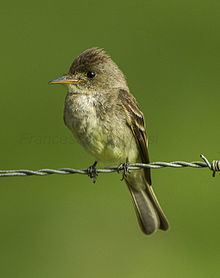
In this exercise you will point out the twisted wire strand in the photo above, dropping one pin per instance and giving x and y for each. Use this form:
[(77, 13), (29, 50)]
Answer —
[(214, 166)]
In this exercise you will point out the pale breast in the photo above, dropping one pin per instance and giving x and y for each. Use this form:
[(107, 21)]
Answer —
[(106, 137)]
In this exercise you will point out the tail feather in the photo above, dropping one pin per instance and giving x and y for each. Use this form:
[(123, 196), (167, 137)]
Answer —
[(149, 213), (164, 224)]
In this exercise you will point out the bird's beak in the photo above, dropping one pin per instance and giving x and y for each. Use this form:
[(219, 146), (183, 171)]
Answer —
[(65, 80)]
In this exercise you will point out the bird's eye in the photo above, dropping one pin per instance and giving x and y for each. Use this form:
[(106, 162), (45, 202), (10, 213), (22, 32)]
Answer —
[(91, 74)]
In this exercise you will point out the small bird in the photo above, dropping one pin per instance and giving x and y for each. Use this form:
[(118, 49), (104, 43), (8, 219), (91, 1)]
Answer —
[(105, 119)]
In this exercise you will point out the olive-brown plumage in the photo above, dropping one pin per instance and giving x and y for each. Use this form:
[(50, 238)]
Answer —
[(105, 119)]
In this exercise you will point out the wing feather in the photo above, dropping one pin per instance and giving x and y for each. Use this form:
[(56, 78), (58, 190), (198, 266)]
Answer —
[(135, 120)]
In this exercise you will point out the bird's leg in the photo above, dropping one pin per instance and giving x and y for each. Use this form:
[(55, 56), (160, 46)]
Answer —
[(124, 168), (92, 172)]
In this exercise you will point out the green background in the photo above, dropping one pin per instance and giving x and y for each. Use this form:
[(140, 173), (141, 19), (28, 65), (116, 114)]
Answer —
[(65, 226)]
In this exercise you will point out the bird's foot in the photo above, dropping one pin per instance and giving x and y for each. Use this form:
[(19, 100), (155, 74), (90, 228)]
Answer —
[(124, 168), (92, 172)]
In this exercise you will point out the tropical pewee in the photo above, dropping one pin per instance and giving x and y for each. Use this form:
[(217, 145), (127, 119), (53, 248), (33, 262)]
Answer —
[(105, 118)]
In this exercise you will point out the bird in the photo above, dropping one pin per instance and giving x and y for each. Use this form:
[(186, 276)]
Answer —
[(105, 118)]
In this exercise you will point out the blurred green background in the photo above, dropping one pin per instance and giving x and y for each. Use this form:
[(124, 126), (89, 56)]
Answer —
[(65, 226)]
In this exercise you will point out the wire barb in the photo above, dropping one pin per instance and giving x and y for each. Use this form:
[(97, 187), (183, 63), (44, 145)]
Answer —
[(214, 166)]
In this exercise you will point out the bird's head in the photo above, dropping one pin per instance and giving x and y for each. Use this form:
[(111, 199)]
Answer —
[(92, 71)]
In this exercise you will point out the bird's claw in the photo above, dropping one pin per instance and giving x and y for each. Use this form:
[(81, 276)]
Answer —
[(92, 172), (124, 168)]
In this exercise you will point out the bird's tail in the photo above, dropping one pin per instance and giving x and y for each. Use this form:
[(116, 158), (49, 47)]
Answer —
[(149, 213)]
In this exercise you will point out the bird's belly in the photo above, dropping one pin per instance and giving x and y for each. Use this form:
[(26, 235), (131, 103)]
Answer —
[(107, 141)]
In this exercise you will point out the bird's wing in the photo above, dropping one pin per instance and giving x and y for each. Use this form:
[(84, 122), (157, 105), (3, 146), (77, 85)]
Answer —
[(135, 120)]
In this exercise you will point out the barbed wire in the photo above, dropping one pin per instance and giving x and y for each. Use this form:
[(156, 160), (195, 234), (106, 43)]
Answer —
[(92, 171)]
